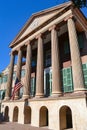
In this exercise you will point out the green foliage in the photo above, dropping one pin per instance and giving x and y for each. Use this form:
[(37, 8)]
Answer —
[(80, 3)]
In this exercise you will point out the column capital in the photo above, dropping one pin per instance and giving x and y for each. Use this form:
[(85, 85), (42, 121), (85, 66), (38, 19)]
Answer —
[(68, 17), (18, 49), (54, 27), (28, 42), (39, 35)]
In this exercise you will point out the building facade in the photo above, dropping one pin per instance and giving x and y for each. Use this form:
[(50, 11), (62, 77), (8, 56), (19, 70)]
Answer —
[(52, 48)]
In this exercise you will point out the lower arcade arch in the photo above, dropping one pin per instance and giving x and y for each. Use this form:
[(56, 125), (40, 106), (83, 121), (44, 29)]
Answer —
[(27, 115), (43, 117), (65, 118), (15, 114), (6, 113)]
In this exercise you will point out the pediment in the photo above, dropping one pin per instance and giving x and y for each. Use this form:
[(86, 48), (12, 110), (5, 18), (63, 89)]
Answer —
[(37, 20)]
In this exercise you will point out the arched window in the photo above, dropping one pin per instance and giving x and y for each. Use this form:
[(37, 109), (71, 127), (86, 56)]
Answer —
[(15, 114), (43, 117), (27, 115), (65, 118), (6, 113)]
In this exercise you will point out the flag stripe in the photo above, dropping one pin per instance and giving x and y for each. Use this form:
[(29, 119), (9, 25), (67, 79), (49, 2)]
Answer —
[(17, 86)]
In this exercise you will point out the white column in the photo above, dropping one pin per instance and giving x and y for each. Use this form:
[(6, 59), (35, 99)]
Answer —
[(10, 77), (75, 57), (56, 78), (18, 75), (28, 72), (40, 69)]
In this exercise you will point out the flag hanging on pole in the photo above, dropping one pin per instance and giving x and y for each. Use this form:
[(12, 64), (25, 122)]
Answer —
[(17, 86)]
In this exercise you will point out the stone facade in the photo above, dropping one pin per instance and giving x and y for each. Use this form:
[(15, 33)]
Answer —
[(52, 49)]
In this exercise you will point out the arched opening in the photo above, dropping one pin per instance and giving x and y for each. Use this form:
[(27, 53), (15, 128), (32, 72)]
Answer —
[(6, 114), (43, 116), (27, 115), (15, 114), (65, 118)]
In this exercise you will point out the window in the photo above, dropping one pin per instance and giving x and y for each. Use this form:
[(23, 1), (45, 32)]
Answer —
[(33, 64), (2, 94), (84, 67), (21, 92), (48, 83), (5, 78), (67, 80), (23, 73), (48, 58), (14, 75), (66, 47), (32, 86), (80, 40)]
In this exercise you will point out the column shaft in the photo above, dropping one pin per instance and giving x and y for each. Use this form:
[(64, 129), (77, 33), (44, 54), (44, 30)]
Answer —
[(75, 57), (28, 73), (10, 77), (56, 80), (40, 69), (18, 74)]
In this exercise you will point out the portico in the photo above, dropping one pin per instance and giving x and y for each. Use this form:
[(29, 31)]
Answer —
[(55, 59), (50, 38)]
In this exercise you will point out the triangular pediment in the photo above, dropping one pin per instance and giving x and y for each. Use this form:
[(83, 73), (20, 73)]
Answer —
[(39, 19)]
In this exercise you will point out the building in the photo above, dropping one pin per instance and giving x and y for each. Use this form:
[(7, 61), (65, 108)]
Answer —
[(52, 47), (4, 79)]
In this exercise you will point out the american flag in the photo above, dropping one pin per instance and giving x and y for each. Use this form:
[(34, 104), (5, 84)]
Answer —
[(17, 86)]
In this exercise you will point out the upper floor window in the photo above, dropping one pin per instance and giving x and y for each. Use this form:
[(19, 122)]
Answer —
[(14, 75), (5, 78), (48, 58), (33, 64), (23, 73), (80, 40), (66, 47)]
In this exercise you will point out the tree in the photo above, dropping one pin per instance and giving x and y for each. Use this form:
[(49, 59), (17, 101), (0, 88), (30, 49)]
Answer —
[(80, 3)]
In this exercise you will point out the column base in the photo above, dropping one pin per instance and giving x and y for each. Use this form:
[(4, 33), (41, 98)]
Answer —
[(25, 97), (77, 90), (56, 94), (16, 97), (6, 98), (39, 95)]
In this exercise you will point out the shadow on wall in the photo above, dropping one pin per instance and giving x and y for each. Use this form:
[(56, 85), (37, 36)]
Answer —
[(2, 118)]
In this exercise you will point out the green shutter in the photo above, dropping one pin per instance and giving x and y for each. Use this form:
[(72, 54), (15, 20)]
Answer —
[(84, 67), (67, 80), (2, 94), (48, 83), (32, 86)]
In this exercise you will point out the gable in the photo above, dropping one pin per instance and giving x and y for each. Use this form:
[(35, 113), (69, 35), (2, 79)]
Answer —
[(38, 21)]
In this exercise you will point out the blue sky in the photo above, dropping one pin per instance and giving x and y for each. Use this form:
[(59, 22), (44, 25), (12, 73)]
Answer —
[(13, 16)]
